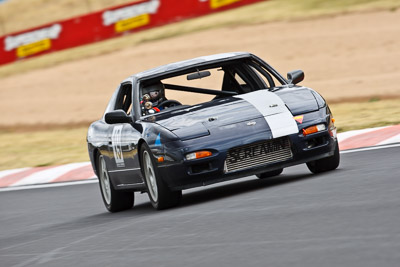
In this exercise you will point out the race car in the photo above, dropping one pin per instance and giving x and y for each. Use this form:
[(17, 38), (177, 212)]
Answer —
[(207, 120)]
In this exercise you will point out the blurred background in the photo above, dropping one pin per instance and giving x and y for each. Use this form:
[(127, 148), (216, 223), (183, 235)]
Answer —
[(348, 50)]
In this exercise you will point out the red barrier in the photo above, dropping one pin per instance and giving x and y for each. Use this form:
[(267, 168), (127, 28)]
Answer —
[(106, 24)]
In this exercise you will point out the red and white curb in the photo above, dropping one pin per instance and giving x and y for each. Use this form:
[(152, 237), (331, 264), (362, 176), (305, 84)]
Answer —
[(369, 137), (83, 171), (45, 175)]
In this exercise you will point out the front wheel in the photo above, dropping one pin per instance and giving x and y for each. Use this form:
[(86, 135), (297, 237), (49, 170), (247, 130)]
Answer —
[(114, 200), (325, 164), (161, 197)]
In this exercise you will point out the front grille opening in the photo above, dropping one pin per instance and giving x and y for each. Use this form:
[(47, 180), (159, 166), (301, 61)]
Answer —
[(315, 142), (201, 167), (258, 154)]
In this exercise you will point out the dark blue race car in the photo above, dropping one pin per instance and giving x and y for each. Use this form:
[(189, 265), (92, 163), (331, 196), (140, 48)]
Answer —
[(207, 120)]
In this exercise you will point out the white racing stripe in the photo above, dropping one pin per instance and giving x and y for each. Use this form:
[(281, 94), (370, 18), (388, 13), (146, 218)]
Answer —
[(274, 110)]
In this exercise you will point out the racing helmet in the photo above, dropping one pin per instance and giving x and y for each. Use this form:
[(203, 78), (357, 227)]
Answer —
[(155, 91)]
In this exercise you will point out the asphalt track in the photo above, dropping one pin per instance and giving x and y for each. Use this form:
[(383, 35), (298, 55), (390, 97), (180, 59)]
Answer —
[(348, 217)]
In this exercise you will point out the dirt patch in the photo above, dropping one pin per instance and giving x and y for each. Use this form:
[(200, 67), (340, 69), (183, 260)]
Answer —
[(344, 57)]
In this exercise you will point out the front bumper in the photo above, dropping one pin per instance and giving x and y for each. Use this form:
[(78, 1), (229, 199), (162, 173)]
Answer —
[(188, 174)]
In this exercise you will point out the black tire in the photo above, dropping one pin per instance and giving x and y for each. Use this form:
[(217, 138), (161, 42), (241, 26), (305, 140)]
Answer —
[(114, 200), (269, 174), (161, 197), (325, 164)]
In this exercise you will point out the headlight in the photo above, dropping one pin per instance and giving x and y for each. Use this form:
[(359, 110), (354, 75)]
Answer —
[(198, 155), (314, 129)]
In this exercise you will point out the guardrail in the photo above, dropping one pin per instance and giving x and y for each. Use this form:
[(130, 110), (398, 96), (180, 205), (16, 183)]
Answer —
[(105, 24)]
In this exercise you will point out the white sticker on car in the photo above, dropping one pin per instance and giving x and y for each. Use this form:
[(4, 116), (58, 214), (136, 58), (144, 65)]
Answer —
[(117, 145), (274, 110)]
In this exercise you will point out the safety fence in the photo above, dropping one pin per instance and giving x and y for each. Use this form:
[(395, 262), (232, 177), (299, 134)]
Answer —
[(105, 24)]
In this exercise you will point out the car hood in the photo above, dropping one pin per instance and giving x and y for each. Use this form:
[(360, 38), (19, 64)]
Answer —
[(197, 121)]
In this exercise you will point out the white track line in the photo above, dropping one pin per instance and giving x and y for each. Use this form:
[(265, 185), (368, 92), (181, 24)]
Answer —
[(369, 148), (24, 187)]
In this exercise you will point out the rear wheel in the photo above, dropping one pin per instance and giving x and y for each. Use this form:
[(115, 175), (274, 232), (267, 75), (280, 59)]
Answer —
[(269, 174), (161, 197), (325, 164), (114, 200)]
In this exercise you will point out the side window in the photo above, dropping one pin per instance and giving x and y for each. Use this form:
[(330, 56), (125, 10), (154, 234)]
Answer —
[(124, 98)]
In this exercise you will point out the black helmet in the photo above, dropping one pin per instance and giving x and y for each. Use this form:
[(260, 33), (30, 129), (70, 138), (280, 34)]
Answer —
[(154, 90)]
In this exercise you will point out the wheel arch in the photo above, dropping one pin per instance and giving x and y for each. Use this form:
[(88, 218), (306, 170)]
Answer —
[(140, 144), (95, 155)]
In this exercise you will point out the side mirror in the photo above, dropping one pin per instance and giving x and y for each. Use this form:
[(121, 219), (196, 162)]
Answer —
[(117, 116), (295, 76)]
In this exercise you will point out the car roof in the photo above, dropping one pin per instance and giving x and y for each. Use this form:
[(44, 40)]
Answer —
[(199, 61)]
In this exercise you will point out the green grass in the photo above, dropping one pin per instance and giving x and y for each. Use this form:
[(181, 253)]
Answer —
[(61, 146), (273, 10)]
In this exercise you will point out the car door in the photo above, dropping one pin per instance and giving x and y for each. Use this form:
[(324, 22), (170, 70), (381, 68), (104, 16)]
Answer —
[(124, 167)]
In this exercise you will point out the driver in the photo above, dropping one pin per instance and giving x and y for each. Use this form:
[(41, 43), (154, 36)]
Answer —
[(153, 95)]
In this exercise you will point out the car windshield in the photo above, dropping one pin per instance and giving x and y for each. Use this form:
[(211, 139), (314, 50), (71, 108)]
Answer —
[(206, 84)]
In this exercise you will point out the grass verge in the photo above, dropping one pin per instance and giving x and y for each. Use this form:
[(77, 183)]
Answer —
[(60, 146), (42, 148), (374, 113)]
